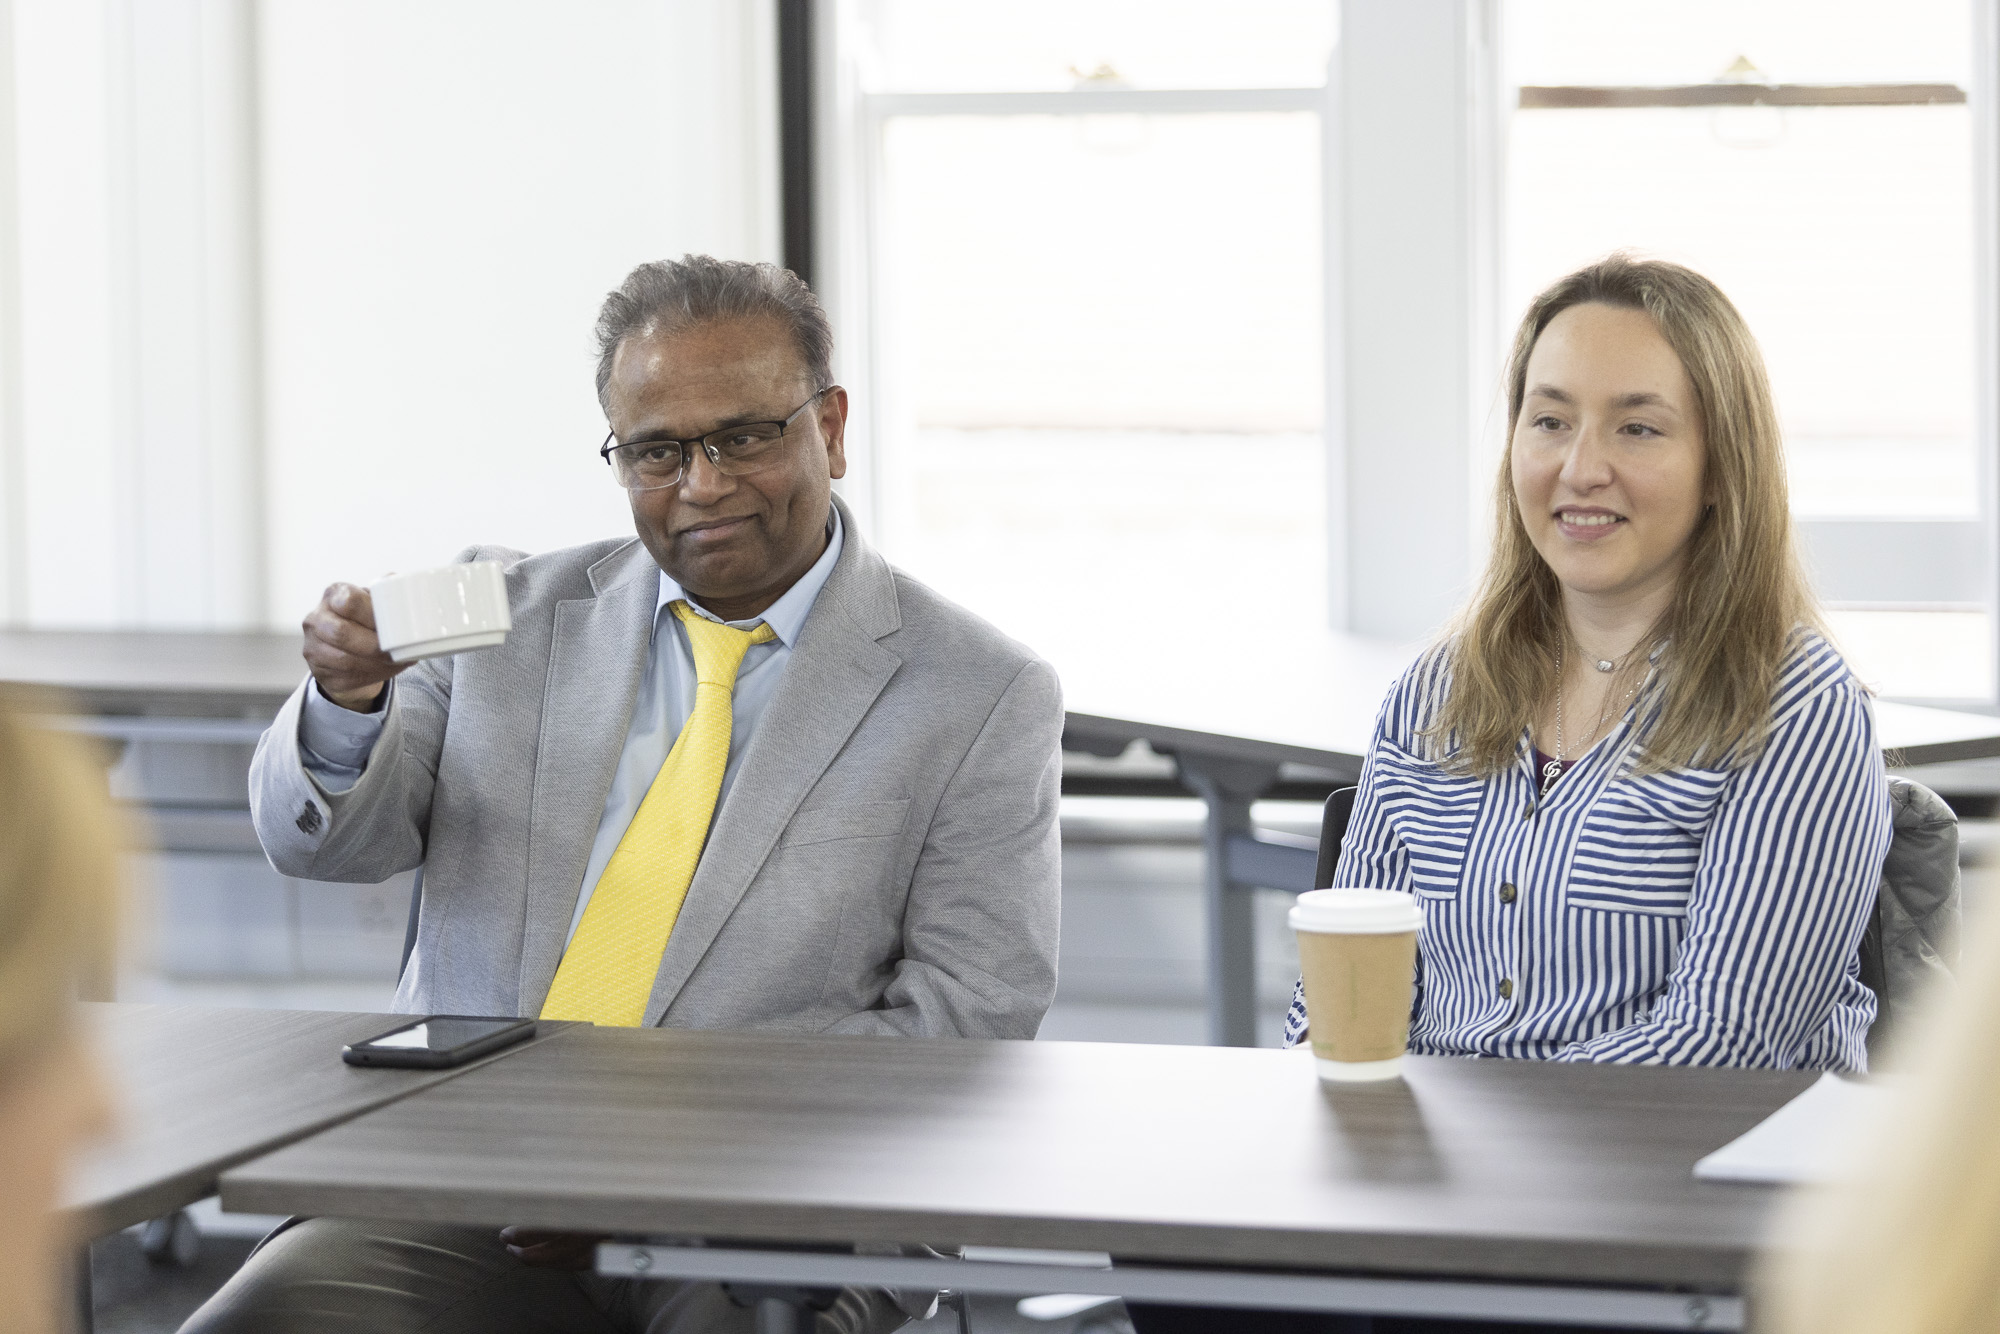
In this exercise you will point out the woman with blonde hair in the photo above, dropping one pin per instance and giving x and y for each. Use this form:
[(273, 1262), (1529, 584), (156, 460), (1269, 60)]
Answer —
[(58, 878), (1637, 793)]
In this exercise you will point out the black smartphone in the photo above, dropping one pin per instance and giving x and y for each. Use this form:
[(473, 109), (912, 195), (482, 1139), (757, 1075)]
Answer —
[(438, 1041)]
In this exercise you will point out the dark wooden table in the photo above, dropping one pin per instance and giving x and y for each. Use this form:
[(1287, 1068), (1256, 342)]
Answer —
[(1511, 1188), (198, 1089)]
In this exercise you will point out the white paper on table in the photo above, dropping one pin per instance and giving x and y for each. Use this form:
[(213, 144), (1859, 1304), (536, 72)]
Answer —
[(1806, 1140)]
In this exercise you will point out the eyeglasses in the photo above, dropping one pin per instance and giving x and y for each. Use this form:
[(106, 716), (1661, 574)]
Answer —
[(733, 451)]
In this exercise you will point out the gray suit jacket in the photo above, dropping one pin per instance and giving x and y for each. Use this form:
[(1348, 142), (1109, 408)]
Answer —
[(887, 859)]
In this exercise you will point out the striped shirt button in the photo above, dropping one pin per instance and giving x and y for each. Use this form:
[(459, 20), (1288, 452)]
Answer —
[(1507, 893), (1506, 988), (1528, 811)]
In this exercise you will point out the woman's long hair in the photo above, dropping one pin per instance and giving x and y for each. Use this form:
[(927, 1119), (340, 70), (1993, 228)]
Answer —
[(1741, 592)]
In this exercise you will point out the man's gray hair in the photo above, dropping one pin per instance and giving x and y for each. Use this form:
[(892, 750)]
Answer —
[(671, 295)]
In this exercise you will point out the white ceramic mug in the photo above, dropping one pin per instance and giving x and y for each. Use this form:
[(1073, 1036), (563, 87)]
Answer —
[(431, 612)]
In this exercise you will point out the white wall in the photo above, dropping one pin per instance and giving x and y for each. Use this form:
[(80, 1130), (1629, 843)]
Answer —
[(304, 290), (450, 189), (64, 538)]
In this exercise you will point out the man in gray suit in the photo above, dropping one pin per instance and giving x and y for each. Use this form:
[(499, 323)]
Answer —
[(882, 856)]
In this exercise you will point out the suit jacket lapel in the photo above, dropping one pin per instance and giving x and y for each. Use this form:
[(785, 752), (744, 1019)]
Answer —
[(835, 672), (596, 659)]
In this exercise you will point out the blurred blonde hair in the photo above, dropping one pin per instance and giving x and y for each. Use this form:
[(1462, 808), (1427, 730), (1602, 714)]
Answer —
[(1742, 592), (1912, 1246), (59, 882)]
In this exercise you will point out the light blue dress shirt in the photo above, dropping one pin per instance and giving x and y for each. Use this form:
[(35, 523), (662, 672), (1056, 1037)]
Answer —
[(335, 742)]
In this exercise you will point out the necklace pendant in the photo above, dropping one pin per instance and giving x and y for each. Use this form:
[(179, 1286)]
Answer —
[(1604, 664), (1550, 772)]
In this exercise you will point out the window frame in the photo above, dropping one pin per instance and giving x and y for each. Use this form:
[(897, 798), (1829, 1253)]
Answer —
[(1865, 562), (1860, 561), (847, 237)]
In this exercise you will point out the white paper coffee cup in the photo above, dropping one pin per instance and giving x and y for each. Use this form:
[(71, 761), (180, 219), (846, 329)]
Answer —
[(449, 610), (1358, 959)]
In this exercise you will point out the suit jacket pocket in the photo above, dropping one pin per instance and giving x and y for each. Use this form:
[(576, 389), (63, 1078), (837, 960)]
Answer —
[(1641, 843), (828, 824)]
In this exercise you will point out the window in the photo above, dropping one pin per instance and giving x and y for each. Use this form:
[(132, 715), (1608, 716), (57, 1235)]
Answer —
[(1092, 273), (1822, 162)]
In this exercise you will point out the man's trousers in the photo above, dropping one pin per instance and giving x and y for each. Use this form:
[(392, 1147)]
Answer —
[(350, 1276)]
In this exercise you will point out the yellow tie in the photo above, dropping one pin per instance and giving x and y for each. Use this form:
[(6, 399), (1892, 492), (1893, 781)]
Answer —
[(607, 972)]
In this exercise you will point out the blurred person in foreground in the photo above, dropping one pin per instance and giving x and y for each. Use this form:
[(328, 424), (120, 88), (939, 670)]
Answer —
[(1911, 1243), (58, 879), (1635, 790)]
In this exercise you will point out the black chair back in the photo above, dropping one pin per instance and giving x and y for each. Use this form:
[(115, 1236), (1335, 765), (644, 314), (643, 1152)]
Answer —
[(1911, 945), (1332, 829)]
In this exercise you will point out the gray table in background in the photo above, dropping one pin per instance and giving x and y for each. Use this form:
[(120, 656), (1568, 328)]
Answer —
[(1501, 1188), (1310, 698), (1231, 722), (194, 674)]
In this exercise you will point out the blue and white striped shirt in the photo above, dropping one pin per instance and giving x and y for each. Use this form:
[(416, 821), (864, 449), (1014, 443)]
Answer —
[(1686, 917)]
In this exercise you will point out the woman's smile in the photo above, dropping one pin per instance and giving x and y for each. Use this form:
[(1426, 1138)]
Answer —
[(1587, 525)]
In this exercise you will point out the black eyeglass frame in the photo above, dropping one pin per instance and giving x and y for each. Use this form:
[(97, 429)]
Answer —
[(706, 445)]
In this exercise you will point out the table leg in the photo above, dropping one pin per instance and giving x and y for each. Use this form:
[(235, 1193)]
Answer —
[(779, 1315), (83, 1311), (1228, 786), (781, 1308)]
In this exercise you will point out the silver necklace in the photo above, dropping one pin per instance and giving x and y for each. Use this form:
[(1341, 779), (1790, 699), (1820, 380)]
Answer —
[(1609, 665), (1554, 768)]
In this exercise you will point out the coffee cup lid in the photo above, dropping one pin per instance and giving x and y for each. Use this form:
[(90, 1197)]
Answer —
[(1367, 912)]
